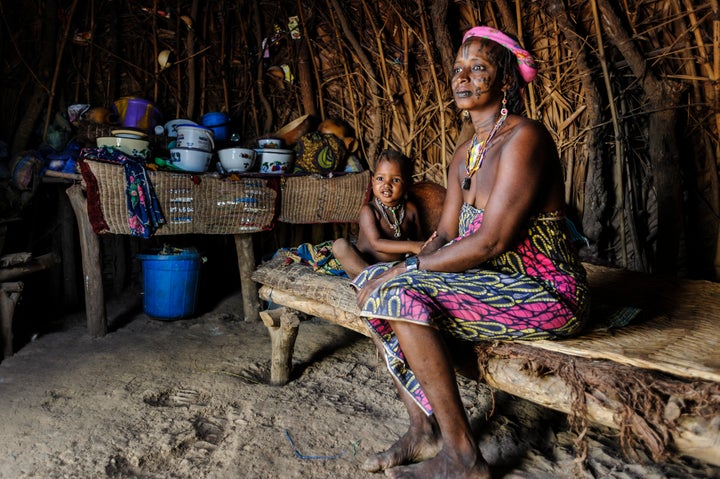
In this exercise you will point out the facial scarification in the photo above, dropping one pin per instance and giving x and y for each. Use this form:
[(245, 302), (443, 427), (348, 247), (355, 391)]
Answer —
[(480, 80)]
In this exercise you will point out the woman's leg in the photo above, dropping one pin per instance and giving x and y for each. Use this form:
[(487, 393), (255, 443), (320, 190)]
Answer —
[(425, 352), (421, 441)]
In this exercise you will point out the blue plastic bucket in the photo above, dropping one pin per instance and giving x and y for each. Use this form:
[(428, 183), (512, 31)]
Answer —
[(218, 122), (170, 284)]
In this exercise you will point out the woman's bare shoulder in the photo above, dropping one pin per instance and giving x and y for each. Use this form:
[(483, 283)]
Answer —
[(528, 127)]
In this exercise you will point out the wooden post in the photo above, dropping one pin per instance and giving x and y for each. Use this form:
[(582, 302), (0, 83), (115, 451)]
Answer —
[(9, 296), (92, 271), (246, 264), (66, 224), (283, 325)]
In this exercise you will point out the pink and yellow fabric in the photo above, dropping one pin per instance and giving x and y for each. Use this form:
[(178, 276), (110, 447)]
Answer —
[(526, 63)]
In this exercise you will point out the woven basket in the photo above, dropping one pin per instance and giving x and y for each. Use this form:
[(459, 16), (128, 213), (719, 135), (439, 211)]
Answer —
[(316, 199), (208, 206)]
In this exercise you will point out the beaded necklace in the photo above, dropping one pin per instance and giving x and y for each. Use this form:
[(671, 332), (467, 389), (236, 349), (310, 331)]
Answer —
[(476, 152), (398, 214)]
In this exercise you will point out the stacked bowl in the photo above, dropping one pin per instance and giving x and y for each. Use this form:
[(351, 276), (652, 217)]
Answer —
[(272, 157), (193, 148), (133, 143)]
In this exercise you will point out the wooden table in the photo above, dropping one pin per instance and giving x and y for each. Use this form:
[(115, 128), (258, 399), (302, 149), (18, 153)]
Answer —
[(218, 206)]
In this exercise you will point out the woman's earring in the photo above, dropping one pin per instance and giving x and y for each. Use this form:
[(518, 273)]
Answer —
[(466, 115), (503, 108)]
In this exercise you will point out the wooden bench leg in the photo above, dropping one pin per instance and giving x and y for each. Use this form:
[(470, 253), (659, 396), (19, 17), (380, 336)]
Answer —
[(282, 324), (9, 296), (246, 264), (92, 270)]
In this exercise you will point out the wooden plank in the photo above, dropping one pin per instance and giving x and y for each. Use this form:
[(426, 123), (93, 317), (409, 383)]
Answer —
[(33, 265), (314, 308)]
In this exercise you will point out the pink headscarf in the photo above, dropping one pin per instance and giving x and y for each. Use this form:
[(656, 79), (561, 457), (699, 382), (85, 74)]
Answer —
[(526, 63)]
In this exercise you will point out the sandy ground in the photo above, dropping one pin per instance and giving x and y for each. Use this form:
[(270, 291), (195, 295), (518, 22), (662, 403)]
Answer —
[(187, 399)]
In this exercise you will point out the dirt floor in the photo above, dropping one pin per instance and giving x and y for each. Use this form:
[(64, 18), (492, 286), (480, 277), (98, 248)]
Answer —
[(188, 399)]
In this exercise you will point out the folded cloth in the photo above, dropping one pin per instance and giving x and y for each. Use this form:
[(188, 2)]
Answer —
[(143, 207), (319, 257)]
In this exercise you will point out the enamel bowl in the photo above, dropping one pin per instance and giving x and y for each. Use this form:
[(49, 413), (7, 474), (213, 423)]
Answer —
[(172, 126), (130, 133), (190, 159), (268, 143), (276, 161), (196, 137), (236, 160), (134, 147)]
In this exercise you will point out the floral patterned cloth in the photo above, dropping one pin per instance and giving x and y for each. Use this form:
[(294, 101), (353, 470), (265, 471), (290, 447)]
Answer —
[(320, 257), (143, 208)]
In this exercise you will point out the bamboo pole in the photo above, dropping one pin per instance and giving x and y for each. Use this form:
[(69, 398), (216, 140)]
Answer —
[(374, 113), (716, 105), (267, 108), (711, 66), (317, 107), (349, 89), (223, 59), (91, 53), (190, 47), (438, 95), (619, 153), (385, 77), (203, 64), (156, 65), (407, 89), (178, 71), (58, 65)]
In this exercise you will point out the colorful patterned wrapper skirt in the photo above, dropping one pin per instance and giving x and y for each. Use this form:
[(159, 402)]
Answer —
[(538, 290)]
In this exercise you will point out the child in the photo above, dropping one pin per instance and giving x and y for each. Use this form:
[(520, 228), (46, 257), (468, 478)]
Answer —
[(389, 223)]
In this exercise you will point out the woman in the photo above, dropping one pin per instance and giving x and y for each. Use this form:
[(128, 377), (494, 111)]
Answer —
[(502, 265)]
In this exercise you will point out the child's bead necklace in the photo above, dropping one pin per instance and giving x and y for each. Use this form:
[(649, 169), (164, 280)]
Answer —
[(398, 213)]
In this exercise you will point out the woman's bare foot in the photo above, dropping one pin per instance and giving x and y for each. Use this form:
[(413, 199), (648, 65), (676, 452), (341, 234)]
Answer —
[(411, 447), (445, 467)]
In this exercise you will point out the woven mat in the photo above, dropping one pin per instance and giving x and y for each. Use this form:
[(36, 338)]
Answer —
[(677, 331), (316, 199), (199, 204)]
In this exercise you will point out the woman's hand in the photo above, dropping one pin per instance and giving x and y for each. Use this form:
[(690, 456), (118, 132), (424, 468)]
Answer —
[(375, 283)]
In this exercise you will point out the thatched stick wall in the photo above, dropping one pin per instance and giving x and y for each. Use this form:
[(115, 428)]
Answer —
[(630, 91)]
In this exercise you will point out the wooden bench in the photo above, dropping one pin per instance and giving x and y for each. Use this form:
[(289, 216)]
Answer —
[(657, 379), (12, 267)]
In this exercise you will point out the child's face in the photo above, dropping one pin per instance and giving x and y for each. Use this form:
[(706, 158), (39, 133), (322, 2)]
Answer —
[(388, 183)]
